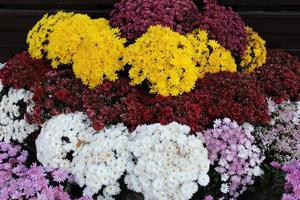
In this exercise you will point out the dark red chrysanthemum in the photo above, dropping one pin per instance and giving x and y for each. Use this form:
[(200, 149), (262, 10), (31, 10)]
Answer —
[(279, 78), (233, 95), (221, 95), (59, 92), (225, 26), (280, 57), (22, 71), (216, 96), (185, 109), (133, 17), (115, 102)]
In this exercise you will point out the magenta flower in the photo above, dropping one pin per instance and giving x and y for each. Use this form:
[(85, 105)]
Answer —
[(225, 26), (133, 17)]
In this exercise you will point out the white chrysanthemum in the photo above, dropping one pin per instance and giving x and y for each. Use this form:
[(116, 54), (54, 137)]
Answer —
[(1, 86), (2, 65), (203, 179), (13, 107), (103, 161), (168, 162), (224, 188), (101, 197), (61, 138)]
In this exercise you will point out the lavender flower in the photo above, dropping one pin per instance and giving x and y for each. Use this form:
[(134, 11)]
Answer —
[(292, 178), (209, 198), (17, 181), (134, 17), (281, 138), (236, 158)]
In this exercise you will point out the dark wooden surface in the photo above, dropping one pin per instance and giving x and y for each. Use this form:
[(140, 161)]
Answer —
[(277, 21)]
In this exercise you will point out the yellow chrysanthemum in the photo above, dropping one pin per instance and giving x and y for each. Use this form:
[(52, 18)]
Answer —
[(209, 55), (99, 58), (37, 37), (256, 52), (67, 36), (92, 46), (164, 59)]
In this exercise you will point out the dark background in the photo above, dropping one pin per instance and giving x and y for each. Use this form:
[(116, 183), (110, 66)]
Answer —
[(277, 21)]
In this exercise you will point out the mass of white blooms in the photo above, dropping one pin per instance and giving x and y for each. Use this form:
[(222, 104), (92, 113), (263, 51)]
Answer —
[(62, 138), (102, 162), (167, 162), (13, 106)]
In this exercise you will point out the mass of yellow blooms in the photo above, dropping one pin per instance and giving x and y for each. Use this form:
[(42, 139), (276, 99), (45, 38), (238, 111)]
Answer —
[(164, 58), (170, 63), (209, 55), (92, 47), (38, 35), (256, 52)]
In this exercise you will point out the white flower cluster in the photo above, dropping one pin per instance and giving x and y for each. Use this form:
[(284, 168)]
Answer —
[(61, 139), (103, 161), (162, 162), (96, 159), (168, 162), (13, 106)]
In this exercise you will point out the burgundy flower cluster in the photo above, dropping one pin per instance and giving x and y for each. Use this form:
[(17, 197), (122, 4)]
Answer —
[(221, 95), (22, 71), (235, 96), (280, 57), (114, 102), (59, 92), (185, 109), (133, 17), (279, 78), (225, 26)]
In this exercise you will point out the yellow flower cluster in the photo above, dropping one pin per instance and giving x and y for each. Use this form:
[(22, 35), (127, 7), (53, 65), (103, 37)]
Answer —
[(169, 62), (256, 52), (163, 58), (92, 47), (210, 56), (38, 35)]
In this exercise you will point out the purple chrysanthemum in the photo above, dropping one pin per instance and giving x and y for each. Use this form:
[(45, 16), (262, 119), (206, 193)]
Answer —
[(17, 181), (235, 156), (133, 17), (292, 180)]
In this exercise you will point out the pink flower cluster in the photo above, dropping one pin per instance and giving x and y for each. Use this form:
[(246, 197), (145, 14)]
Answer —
[(231, 149), (17, 181)]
